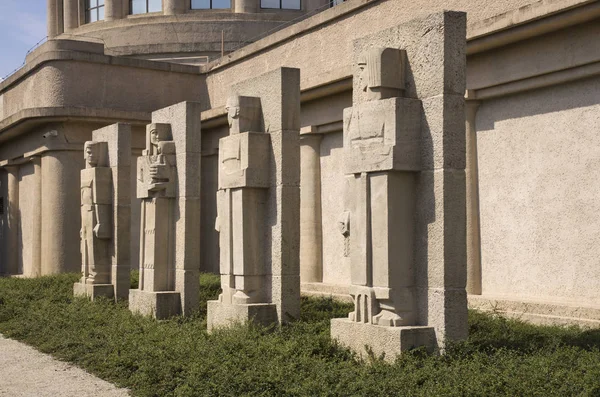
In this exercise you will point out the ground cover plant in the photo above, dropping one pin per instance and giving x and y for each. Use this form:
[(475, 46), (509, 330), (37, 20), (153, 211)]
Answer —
[(178, 358)]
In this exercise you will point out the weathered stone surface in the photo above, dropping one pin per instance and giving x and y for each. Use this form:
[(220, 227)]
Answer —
[(383, 135), (387, 341), (169, 174), (224, 315), (118, 138), (160, 305), (94, 291), (406, 224), (258, 207)]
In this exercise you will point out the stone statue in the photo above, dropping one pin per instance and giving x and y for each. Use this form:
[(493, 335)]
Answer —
[(380, 138), (96, 214), (241, 200), (156, 174)]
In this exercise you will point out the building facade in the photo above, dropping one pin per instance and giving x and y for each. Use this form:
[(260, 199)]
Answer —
[(532, 113)]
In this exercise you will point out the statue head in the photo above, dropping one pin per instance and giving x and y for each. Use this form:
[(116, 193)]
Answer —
[(243, 114), (380, 74), (95, 154), (155, 134)]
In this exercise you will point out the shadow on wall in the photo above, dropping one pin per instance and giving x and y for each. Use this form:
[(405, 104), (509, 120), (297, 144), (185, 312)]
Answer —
[(546, 100)]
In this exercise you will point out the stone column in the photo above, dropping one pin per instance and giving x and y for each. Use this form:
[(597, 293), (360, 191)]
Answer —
[(311, 239), (36, 227), (182, 154), (54, 19), (472, 182), (379, 132), (274, 296), (246, 6), (173, 7), (61, 218), (12, 229), (71, 14), (113, 10)]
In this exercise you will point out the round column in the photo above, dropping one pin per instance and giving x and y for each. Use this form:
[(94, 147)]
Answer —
[(36, 227), (246, 6), (12, 227), (311, 240), (61, 217), (71, 14), (472, 191), (172, 7), (54, 18), (113, 9)]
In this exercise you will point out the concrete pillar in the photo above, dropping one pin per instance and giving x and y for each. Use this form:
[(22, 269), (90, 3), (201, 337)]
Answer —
[(246, 6), (113, 9), (311, 239), (12, 229), (36, 227), (172, 7), (472, 187), (61, 217), (54, 19), (71, 14)]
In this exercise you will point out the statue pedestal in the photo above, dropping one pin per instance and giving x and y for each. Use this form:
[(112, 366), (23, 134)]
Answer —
[(160, 305), (94, 290), (223, 314), (389, 340)]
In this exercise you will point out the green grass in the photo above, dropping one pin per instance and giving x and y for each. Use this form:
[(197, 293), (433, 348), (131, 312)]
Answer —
[(178, 358)]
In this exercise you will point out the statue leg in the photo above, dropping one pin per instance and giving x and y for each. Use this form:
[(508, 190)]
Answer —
[(247, 211)]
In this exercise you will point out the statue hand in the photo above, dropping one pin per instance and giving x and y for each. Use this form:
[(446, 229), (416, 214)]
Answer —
[(158, 171), (101, 231)]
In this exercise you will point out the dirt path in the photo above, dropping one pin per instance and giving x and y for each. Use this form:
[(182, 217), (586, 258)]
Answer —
[(26, 372)]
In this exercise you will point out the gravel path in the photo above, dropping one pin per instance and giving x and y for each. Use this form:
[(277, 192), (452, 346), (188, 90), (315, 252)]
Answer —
[(26, 372)]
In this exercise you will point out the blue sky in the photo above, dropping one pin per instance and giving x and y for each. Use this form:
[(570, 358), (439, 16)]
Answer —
[(22, 24)]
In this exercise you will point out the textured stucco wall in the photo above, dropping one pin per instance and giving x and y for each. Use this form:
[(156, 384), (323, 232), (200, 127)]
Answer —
[(539, 156)]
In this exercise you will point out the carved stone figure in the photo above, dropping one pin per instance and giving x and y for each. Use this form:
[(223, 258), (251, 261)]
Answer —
[(243, 114), (156, 173), (96, 214), (381, 144), (241, 200), (258, 203)]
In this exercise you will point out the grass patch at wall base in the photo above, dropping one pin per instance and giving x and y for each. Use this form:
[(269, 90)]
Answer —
[(178, 358)]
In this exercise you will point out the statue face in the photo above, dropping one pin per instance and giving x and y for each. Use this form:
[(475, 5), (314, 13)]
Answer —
[(154, 137), (91, 154), (233, 110)]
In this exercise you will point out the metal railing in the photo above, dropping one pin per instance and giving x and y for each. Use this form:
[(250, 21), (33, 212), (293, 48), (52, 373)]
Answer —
[(36, 45)]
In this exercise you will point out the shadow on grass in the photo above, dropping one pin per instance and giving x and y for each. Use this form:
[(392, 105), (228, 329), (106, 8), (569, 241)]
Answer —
[(491, 331)]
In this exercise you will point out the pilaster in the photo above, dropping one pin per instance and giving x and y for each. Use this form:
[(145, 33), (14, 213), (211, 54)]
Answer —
[(472, 198), (12, 229), (311, 239)]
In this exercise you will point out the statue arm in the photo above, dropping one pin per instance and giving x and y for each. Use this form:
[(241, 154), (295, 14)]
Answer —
[(102, 227), (102, 209)]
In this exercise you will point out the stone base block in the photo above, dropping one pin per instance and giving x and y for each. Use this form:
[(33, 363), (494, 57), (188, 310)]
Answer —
[(94, 290), (224, 315), (160, 305), (389, 341)]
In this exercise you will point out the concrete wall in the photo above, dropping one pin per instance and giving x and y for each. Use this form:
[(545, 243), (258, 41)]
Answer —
[(336, 258), (538, 155), (330, 45)]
